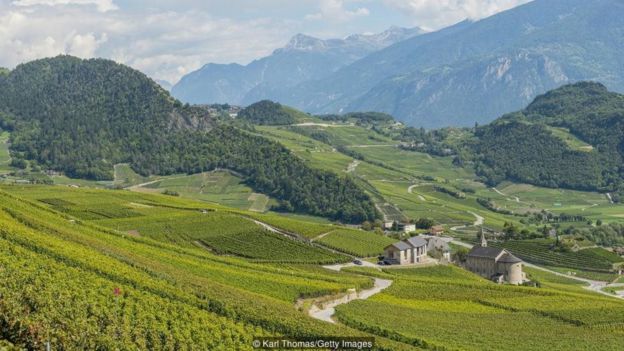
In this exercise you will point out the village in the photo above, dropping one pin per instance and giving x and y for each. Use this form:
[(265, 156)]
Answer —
[(495, 264)]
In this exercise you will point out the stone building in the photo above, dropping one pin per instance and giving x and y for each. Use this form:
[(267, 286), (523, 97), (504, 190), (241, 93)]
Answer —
[(438, 247), (409, 251), (495, 264)]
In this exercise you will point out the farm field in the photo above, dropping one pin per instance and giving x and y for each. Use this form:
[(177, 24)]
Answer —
[(387, 172), (221, 187), (446, 307), (220, 231)]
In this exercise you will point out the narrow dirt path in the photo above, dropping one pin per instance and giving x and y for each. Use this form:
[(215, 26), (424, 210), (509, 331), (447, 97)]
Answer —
[(479, 220), (353, 166), (517, 199), (322, 236), (410, 190), (610, 198)]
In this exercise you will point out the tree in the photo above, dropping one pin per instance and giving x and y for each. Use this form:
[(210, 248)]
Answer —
[(460, 255)]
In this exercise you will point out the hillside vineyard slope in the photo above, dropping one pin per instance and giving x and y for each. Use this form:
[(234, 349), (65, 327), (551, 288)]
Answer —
[(476, 71)]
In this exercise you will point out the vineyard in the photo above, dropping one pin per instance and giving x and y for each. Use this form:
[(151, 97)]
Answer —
[(304, 229), (163, 273), (539, 252), (79, 285), (444, 308), (356, 242), (218, 230)]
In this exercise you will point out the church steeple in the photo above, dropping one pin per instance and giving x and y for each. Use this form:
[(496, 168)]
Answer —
[(483, 240)]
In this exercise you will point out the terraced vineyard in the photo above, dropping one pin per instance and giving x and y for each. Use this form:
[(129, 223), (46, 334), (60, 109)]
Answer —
[(78, 285), (307, 230), (446, 308), (539, 252), (356, 242)]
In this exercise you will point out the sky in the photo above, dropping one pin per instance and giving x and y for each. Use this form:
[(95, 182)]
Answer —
[(168, 39)]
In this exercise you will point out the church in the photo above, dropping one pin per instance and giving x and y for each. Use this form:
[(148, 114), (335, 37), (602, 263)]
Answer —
[(495, 264)]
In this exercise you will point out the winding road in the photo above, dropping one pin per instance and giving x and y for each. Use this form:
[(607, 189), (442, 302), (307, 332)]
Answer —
[(328, 309), (517, 199), (479, 220)]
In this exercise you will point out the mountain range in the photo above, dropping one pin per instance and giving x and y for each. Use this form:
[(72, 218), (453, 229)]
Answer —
[(469, 72), (302, 59)]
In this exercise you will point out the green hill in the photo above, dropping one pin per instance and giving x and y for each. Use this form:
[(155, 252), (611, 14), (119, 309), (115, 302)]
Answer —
[(268, 113), (528, 146), (81, 117)]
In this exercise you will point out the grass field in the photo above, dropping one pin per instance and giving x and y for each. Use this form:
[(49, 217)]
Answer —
[(221, 187), (573, 142)]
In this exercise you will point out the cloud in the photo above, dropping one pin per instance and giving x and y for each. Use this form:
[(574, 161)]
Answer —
[(167, 39), (334, 10), (435, 14), (101, 5), (85, 45), (163, 44)]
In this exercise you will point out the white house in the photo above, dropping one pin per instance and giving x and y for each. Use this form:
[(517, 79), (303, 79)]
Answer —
[(409, 251)]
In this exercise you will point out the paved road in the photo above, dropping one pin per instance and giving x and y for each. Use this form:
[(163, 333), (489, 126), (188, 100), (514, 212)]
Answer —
[(328, 309), (338, 267)]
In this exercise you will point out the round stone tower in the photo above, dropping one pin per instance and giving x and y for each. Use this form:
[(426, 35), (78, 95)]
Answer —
[(513, 268)]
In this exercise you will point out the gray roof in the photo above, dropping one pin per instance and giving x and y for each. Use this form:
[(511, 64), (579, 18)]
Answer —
[(486, 252), (509, 258), (400, 245), (409, 243), (416, 241)]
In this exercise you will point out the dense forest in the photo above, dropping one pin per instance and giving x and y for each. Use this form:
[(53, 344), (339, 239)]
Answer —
[(266, 113), (81, 117), (524, 147)]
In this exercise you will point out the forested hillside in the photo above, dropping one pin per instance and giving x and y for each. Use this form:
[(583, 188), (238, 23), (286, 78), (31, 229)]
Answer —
[(266, 112), (82, 117), (526, 147)]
